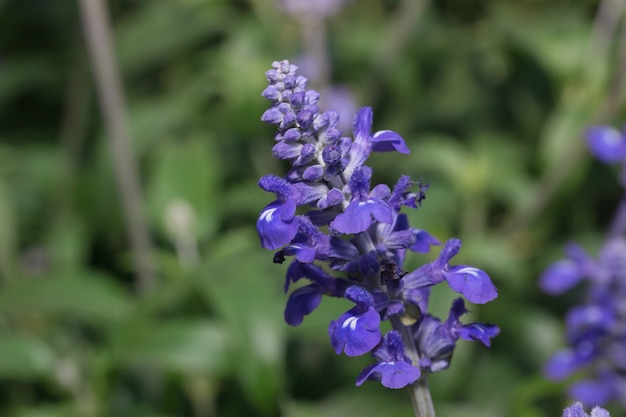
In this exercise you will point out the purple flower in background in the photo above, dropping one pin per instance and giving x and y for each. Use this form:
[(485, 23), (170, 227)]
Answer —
[(596, 329), (327, 212), (607, 143), (577, 410)]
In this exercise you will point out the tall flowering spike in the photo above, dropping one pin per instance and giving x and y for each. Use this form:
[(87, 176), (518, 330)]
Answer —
[(361, 236)]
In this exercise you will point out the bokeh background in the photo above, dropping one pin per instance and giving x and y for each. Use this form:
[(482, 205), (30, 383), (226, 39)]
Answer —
[(492, 97)]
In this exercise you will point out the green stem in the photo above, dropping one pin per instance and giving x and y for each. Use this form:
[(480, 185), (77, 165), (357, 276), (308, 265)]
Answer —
[(99, 40)]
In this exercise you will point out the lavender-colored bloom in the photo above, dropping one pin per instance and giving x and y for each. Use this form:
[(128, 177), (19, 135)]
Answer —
[(364, 208), (577, 410), (471, 282), (364, 142), (357, 331), (305, 299), (436, 341), (361, 235), (393, 369), (277, 224)]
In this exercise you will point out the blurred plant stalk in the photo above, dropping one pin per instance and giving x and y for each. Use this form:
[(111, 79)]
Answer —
[(97, 30)]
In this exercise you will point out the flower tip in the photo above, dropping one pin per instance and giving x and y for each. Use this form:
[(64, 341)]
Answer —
[(606, 143), (560, 277), (472, 283)]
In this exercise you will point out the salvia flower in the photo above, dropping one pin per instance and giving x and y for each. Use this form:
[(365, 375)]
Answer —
[(327, 213)]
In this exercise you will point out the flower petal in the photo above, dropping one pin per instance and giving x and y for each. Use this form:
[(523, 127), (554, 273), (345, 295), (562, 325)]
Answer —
[(591, 393), (562, 364), (302, 302), (394, 375), (388, 140), (606, 143), (473, 283), (277, 224), (358, 216), (355, 334), (560, 277)]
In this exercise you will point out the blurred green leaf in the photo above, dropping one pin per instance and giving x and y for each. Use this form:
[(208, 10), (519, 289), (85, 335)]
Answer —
[(24, 358), (179, 345), (8, 238), (80, 295), (182, 194), (163, 29), (248, 296), (372, 401)]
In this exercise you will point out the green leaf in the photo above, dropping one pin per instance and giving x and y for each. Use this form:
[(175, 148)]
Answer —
[(244, 287), (161, 30), (181, 189), (62, 410), (178, 345), (82, 295), (24, 358)]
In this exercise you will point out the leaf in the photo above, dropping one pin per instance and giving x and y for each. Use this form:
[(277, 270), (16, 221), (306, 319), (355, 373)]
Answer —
[(24, 358), (82, 295), (244, 287), (373, 402), (178, 345), (161, 30), (182, 190)]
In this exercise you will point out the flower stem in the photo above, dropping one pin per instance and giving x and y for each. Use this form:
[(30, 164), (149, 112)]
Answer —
[(98, 35), (420, 394)]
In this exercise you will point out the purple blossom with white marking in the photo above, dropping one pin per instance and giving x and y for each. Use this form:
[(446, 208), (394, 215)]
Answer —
[(327, 212)]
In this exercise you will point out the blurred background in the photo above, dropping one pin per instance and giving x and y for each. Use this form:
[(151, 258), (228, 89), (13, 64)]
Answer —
[(492, 98)]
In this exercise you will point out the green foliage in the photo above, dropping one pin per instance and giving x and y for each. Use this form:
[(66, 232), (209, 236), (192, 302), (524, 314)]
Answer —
[(492, 98)]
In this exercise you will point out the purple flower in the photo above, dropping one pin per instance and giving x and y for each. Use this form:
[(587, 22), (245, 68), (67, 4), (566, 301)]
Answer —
[(357, 331), (607, 144), (393, 368), (364, 208), (305, 299), (596, 334), (277, 224), (365, 142), (471, 282), (577, 410), (436, 341), (598, 391)]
